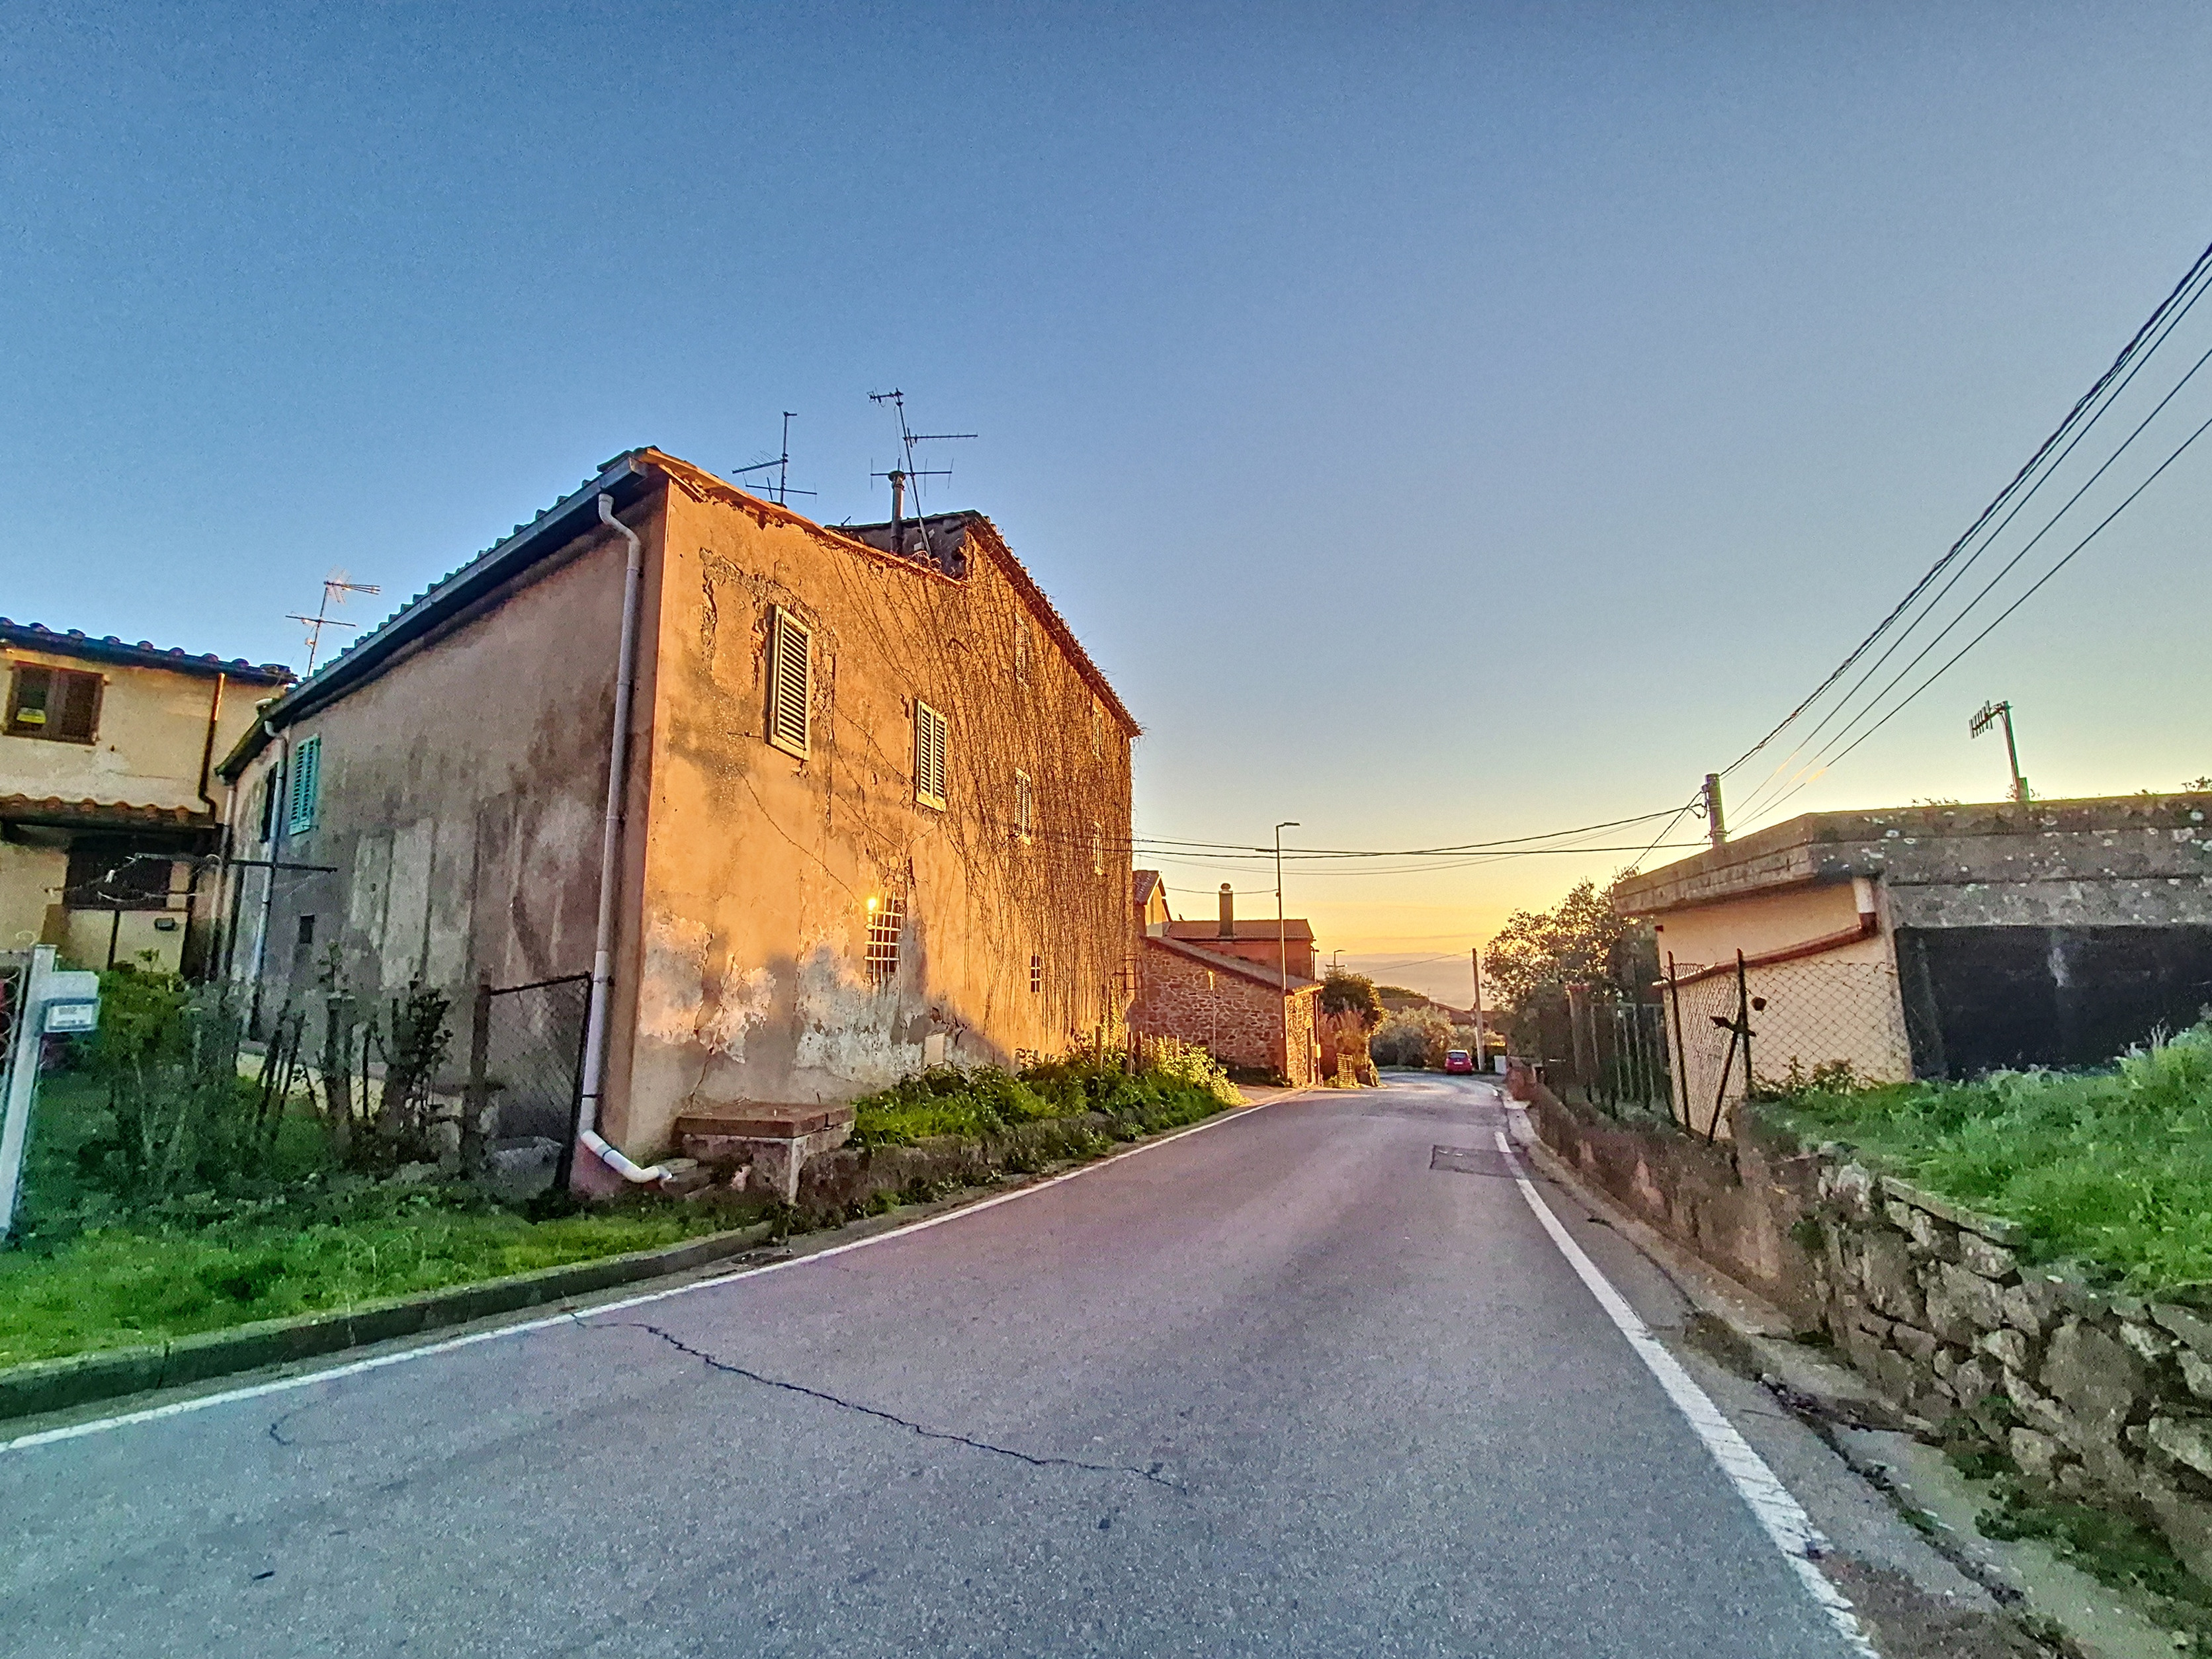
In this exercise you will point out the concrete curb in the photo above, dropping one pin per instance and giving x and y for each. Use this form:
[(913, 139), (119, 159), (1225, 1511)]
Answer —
[(48, 1385)]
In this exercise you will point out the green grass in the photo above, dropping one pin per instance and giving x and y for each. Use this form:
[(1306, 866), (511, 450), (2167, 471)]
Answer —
[(985, 1103), (139, 1281), (2111, 1170)]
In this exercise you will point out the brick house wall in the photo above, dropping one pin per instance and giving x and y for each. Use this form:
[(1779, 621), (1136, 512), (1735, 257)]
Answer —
[(1235, 1012)]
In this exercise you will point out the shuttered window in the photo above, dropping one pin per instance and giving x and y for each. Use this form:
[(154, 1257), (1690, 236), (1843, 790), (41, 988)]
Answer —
[(59, 704), (1022, 649), (307, 782), (1025, 807), (790, 705), (928, 755), (1097, 847)]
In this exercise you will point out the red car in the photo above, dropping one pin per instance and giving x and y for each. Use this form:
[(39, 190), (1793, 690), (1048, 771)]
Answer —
[(1459, 1060)]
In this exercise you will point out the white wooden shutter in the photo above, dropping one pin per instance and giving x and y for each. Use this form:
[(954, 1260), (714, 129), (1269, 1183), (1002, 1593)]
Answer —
[(789, 705), (928, 755)]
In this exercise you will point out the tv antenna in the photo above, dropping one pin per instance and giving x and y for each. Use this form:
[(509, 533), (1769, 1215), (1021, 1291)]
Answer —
[(782, 464), (335, 589), (900, 474)]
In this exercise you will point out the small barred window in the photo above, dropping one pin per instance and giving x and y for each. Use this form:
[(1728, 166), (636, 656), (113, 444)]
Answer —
[(885, 924), (1037, 975)]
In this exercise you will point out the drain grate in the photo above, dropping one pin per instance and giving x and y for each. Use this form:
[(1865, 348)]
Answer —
[(1469, 1160)]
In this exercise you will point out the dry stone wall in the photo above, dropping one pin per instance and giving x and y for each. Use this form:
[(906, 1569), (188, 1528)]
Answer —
[(2102, 1398)]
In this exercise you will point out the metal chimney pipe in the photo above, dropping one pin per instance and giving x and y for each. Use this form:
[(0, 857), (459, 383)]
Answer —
[(898, 510)]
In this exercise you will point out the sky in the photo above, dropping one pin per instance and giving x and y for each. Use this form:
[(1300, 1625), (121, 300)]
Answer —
[(1443, 424)]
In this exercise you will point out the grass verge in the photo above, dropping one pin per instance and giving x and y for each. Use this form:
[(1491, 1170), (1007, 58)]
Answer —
[(2111, 1169)]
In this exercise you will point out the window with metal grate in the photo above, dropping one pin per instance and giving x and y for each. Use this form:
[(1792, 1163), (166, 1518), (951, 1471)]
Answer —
[(1024, 808), (305, 798), (790, 711), (61, 705), (1037, 975), (928, 755), (885, 924)]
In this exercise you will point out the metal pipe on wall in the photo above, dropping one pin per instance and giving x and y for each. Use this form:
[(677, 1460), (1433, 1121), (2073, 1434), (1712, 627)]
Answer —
[(602, 942)]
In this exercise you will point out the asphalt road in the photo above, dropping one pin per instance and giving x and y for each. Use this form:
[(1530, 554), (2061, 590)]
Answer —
[(1276, 1388)]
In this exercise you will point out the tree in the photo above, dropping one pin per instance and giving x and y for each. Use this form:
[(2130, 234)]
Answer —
[(1343, 992), (1584, 941)]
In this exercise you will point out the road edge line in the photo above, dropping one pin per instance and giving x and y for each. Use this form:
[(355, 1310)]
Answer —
[(582, 1316), (1778, 1513)]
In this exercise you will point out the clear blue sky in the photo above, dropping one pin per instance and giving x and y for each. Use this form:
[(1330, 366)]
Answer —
[(1443, 422)]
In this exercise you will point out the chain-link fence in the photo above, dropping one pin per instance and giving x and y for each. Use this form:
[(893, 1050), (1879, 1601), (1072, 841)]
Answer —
[(1740, 1030), (526, 1081)]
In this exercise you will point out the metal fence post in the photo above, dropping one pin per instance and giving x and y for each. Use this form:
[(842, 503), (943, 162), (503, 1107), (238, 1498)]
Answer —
[(25, 1039), (476, 1098)]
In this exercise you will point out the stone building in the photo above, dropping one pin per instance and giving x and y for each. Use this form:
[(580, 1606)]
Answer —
[(874, 812), (108, 806), (1238, 1009), (1937, 941)]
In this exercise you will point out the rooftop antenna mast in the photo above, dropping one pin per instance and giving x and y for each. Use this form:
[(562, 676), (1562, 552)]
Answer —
[(335, 589), (782, 464), (899, 475)]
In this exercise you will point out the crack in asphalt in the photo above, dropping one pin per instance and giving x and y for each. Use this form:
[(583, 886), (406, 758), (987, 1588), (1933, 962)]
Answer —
[(715, 1363)]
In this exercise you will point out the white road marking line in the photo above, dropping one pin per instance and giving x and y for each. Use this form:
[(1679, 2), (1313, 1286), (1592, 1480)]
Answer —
[(580, 1316), (1781, 1516)]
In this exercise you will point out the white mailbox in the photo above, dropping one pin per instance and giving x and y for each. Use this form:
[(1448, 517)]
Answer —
[(71, 1001)]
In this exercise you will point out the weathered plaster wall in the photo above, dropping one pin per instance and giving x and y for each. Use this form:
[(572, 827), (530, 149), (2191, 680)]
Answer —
[(146, 752), (462, 796), (762, 865), (30, 895), (1705, 935)]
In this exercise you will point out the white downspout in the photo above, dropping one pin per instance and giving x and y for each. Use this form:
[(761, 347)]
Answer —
[(280, 787), (603, 944)]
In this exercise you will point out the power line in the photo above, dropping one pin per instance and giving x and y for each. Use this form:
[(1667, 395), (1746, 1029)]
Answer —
[(2074, 415)]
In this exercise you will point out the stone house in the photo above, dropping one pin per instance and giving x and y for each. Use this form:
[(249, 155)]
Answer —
[(1937, 941), (1291, 950), (874, 801), (1238, 1009), (108, 804)]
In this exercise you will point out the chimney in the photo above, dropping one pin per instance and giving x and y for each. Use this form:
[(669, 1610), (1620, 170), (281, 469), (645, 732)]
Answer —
[(898, 510), (1228, 912)]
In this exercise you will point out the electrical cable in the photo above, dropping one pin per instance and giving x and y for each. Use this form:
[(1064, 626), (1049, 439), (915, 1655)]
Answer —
[(2074, 415), (1754, 804)]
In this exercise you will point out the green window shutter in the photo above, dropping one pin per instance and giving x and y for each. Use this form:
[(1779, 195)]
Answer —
[(306, 785)]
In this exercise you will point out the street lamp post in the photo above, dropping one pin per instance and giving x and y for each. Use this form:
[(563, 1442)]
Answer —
[(1282, 935)]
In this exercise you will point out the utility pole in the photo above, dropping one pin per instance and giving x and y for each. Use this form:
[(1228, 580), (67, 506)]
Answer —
[(1991, 713), (1715, 826), (1481, 1059), (1282, 933)]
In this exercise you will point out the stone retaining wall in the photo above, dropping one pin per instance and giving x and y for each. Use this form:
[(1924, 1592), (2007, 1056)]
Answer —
[(2102, 1398)]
